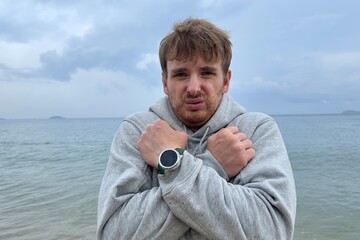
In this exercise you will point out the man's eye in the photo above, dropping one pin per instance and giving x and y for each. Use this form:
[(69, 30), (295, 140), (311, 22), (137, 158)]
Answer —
[(180, 75), (208, 73)]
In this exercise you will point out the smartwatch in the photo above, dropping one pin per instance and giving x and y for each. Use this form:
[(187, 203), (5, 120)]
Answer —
[(169, 160)]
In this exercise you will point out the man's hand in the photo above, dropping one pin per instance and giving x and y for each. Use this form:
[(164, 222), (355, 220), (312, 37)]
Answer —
[(156, 138), (232, 149)]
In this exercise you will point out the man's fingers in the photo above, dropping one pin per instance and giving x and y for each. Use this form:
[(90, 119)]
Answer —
[(247, 143), (241, 136), (250, 153), (233, 129)]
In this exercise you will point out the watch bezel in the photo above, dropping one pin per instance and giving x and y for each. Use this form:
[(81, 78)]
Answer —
[(163, 169), (176, 161)]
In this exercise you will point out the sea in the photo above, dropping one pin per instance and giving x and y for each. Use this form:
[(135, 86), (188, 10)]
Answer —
[(51, 171)]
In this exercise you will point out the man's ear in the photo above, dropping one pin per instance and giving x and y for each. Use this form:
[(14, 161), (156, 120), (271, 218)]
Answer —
[(164, 82), (227, 78)]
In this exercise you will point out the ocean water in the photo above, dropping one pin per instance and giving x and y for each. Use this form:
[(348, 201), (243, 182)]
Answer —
[(51, 171), (325, 156)]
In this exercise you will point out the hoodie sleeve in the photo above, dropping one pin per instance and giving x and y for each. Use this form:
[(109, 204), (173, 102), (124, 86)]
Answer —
[(130, 206), (259, 204)]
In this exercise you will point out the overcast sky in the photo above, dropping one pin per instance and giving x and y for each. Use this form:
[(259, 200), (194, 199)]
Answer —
[(93, 58)]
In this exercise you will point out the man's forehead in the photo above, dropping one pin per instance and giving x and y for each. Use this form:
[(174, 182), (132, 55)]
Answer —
[(198, 62)]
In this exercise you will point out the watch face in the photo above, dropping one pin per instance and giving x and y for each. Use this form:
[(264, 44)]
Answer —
[(168, 158)]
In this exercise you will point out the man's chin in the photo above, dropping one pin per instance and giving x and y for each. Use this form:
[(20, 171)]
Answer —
[(195, 122)]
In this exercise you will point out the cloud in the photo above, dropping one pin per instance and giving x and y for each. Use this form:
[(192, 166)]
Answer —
[(109, 38), (146, 60), (90, 93), (317, 22), (341, 61), (260, 84), (324, 101), (300, 52), (218, 3)]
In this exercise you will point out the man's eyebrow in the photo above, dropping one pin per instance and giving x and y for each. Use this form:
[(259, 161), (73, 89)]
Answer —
[(209, 68), (177, 70)]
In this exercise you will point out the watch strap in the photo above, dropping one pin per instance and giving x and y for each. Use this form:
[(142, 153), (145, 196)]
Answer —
[(180, 150), (160, 169)]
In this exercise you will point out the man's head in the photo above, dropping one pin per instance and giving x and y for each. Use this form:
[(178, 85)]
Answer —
[(194, 38), (195, 60)]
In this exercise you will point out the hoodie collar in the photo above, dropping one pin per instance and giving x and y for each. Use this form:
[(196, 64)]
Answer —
[(224, 115)]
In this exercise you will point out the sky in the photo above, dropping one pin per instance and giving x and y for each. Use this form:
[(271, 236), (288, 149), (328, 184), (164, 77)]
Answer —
[(97, 58)]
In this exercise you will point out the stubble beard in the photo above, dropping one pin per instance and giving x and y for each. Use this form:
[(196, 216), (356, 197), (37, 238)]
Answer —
[(196, 119)]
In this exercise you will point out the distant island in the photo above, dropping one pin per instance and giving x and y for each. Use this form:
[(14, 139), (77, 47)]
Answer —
[(350, 112), (57, 117)]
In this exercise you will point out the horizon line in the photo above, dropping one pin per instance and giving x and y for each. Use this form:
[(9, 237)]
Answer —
[(59, 117)]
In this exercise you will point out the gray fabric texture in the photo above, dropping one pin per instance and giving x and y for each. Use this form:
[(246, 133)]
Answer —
[(198, 200)]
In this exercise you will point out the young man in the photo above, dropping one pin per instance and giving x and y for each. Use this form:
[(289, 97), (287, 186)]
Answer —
[(187, 169)]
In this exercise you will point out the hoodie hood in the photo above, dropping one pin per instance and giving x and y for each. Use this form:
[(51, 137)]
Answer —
[(227, 111)]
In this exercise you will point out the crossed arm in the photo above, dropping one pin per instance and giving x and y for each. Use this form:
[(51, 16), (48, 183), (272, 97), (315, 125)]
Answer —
[(230, 147), (196, 198)]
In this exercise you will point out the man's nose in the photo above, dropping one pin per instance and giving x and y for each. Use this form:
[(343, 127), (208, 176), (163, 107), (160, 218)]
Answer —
[(194, 85)]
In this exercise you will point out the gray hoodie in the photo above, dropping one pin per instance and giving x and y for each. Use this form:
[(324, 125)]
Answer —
[(198, 200)]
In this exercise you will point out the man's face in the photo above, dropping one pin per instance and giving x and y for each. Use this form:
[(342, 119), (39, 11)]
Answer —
[(195, 89)]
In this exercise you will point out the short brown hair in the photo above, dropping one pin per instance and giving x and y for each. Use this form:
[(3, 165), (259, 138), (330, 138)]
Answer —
[(194, 38)]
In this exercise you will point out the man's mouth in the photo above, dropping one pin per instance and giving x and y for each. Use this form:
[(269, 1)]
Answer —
[(194, 104)]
